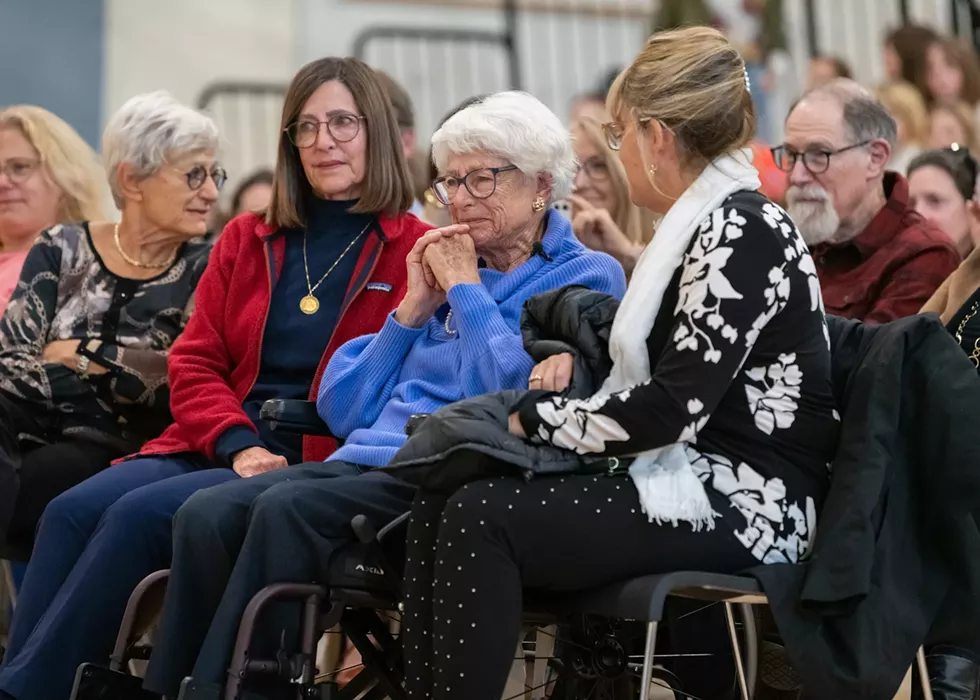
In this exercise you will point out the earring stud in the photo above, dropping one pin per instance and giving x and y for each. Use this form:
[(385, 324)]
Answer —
[(538, 204)]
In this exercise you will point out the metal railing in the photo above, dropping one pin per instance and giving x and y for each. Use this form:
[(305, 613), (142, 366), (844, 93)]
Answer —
[(557, 49)]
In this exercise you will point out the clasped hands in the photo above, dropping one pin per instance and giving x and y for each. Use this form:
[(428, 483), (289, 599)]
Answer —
[(440, 260)]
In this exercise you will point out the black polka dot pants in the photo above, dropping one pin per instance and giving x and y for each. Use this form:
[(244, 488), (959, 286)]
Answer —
[(470, 557)]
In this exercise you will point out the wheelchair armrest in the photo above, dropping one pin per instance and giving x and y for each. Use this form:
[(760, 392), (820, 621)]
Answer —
[(292, 416)]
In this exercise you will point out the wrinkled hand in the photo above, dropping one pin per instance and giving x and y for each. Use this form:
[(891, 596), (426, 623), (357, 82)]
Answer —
[(596, 229), (424, 295), (452, 260), (554, 374), (256, 460), (65, 352)]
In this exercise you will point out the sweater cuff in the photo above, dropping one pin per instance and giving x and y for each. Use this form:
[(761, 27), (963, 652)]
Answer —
[(394, 339), (477, 315), (234, 440)]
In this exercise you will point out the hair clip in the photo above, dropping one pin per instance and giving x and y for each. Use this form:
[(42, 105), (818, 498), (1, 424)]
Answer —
[(748, 83)]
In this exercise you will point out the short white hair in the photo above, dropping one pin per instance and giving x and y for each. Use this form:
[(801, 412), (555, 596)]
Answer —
[(517, 127), (148, 129)]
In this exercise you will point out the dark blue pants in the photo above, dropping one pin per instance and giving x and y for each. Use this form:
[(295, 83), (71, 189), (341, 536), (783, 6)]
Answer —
[(233, 540), (95, 542)]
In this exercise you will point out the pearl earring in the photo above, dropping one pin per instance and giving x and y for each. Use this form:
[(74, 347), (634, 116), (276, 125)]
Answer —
[(538, 204)]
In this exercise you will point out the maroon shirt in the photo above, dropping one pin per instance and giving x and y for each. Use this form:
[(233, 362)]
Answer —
[(891, 269)]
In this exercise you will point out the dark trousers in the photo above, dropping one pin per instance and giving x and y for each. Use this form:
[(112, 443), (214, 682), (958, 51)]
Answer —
[(95, 542), (470, 558), (32, 474), (45, 473), (233, 540)]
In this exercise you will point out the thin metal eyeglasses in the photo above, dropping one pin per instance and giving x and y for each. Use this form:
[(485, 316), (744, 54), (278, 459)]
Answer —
[(19, 170), (197, 176), (596, 168), (614, 131), (480, 183), (815, 160), (342, 127)]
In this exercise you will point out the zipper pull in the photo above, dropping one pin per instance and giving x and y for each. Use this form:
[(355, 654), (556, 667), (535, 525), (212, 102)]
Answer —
[(613, 466)]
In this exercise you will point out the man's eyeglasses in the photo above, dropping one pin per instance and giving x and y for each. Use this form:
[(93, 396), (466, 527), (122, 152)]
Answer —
[(342, 127), (198, 175), (19, 170), (815, 160), (480, 183)]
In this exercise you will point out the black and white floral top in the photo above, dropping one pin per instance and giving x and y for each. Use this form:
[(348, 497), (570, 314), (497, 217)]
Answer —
[(740, 358), (65, 292)]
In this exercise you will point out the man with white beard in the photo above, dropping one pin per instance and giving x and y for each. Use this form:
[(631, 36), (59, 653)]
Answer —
[(876, 258)]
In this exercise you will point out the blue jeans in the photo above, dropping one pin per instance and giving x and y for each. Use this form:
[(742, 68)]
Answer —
[(95, 542)]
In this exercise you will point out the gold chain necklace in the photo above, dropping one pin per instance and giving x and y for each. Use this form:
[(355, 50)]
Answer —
[(137, 263), (975, 355), (309, 304)]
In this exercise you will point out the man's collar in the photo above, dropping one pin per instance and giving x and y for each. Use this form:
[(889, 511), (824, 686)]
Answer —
[(887, 223)]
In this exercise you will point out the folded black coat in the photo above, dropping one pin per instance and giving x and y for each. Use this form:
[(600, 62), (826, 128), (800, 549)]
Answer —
[(896, 530)]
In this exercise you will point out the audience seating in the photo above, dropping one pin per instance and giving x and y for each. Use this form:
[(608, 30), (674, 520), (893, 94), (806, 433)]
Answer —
[(365, 592)]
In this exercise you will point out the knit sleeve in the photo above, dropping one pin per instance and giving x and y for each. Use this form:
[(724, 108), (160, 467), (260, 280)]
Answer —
[(361, 376), (733, 282), (493, 354)]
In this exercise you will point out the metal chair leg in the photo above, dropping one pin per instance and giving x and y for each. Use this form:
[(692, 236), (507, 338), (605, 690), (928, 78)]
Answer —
[(648, 651), (750, 633), (743, 685), (920, 660)]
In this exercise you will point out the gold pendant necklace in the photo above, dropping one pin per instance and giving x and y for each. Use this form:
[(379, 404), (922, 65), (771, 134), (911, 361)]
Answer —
[(309, 304)]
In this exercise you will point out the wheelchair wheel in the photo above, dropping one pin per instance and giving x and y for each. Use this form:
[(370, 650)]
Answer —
[(602, 659)]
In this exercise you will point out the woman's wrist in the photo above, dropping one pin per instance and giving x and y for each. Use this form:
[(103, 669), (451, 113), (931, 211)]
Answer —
[(410, 317), (628, 257)]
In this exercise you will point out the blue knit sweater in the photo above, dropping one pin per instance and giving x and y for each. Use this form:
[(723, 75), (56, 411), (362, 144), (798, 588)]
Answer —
[(373, 384)]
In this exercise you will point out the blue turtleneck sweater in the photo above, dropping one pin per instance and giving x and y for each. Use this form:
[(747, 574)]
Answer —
[(373, 384)]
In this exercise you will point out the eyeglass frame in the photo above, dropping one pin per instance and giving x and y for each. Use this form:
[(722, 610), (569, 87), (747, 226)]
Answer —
[(827, 154), (33, 165), (218, 175), (598, 160), (319, 124), (614, 141), (465, 182)]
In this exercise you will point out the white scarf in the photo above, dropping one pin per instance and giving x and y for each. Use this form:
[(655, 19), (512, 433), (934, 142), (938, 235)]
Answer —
[(668, 486)]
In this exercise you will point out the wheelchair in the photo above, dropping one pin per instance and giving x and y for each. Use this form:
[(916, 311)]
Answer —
[(596, 645)]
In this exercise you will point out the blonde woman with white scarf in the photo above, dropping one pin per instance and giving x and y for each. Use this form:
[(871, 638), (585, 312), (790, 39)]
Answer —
[(719, 399)]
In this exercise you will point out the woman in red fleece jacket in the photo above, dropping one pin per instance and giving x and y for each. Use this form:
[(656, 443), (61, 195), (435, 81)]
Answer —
[(324, 265)]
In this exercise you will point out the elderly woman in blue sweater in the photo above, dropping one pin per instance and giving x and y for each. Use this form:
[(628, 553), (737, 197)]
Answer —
[(456, 334)]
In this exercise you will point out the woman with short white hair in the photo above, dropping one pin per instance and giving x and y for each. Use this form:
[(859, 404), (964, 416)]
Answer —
[(456, 334), (84, 346)]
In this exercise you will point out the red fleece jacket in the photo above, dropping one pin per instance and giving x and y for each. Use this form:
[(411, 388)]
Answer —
[(215, 362)]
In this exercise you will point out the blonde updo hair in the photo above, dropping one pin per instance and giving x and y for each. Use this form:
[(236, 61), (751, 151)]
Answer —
[(70, 163), (693, 81)]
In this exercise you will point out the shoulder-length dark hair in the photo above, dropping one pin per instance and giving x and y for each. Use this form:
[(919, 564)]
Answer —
[(387, 186)]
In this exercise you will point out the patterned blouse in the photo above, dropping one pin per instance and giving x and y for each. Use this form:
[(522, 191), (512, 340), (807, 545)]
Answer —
[(740, 354), (66, 292)]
